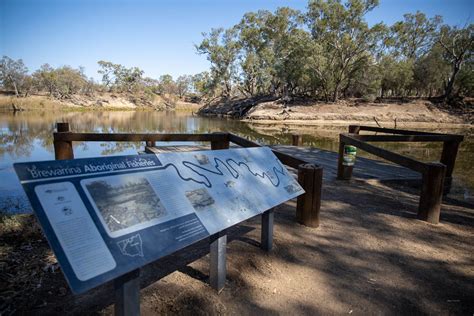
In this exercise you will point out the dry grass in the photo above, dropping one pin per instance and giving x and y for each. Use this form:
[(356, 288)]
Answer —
[(41, 102), (19, 225), (187, 106), (36, 102)]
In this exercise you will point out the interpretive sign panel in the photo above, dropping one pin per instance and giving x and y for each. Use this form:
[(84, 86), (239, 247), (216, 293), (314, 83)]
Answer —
[(104, 217)]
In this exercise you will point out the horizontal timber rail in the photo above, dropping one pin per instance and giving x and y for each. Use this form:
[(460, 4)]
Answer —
[(406, 138), (401, 160), (357, 128), (121, 137), (433, 173), (309, 175)]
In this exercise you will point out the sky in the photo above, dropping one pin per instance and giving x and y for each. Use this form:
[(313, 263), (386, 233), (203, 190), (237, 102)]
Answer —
[(156, 36)]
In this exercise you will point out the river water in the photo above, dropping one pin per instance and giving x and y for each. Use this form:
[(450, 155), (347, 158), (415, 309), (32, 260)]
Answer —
[(27, 136)]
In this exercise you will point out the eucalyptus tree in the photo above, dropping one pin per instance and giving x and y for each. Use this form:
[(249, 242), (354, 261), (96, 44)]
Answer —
[(12, 74), (201, 83), (430, 72), (183, 85), (221, 47), (345, 39), (117, 76), (166, 84), (413, 37), (458, 45), (130, 79), (68, 81), (287, 41), (46, 79), (107, 70), (396, 76), (256, 56)]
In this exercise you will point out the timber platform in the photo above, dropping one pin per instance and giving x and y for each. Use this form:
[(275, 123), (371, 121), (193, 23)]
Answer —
[(364, 168)]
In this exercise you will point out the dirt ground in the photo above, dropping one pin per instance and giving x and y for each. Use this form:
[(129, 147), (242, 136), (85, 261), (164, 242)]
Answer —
[(369, 256)]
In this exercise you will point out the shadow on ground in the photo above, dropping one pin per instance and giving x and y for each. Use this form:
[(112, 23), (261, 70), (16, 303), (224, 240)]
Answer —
[(369, 256)]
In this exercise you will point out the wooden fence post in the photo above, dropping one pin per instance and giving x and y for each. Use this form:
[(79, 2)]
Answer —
[(308, 205), (343, 172), (354, 129), (63, 149), (150, 143), (432, 193), (297, 140), (220, 144), (448, 156)]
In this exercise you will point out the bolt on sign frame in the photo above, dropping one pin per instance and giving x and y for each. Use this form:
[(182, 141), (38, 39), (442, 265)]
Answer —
[(434, 174)]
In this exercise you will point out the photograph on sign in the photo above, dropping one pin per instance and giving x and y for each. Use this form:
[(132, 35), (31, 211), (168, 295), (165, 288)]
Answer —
[(200, 199), (124, 203)]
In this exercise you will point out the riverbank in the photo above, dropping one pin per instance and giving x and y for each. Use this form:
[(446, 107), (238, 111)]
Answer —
[(103, 101), (388, 113), (369, 256)]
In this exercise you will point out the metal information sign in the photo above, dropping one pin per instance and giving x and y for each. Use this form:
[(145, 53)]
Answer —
[(104, 217)]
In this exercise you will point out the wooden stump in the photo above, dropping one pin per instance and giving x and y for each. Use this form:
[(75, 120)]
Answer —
[(297, 140), (308, 205), (429, 208)]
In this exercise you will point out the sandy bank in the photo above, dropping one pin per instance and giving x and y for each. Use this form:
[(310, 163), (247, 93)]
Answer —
[(98, 101), (414, 113)]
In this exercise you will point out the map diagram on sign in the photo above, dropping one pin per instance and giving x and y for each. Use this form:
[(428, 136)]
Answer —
[(131, 246), (221, 187), (225, 187)]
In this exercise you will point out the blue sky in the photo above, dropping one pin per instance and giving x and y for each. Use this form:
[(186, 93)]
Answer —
[(156, 36)]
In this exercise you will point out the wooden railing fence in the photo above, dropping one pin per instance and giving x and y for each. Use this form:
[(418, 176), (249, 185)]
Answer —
[(434, 174), (309, 175)]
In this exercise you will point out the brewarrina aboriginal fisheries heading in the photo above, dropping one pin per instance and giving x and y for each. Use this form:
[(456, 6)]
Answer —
[(38, 173)]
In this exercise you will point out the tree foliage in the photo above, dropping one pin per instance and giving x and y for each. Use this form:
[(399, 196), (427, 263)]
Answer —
[(327, 52), (330, 51), (13, 74)]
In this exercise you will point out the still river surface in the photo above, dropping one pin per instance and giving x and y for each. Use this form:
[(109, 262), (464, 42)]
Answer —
[(27, 136)]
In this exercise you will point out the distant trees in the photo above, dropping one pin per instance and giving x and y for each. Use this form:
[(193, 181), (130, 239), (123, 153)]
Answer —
[(221, 49), (60, 83), (13, 74), (183, 85), (413, 37), (347, 42), (330, 51), (116, 77)]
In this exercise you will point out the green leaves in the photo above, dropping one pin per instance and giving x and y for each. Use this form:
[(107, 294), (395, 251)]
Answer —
[(12, 74), (413, 37), (118, 77)]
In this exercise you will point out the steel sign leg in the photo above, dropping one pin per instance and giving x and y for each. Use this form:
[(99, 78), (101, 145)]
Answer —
[(218, 243), (127, 294), (267, 230)]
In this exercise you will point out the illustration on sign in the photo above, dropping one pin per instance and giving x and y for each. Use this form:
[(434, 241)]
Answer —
[(131, 246)]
